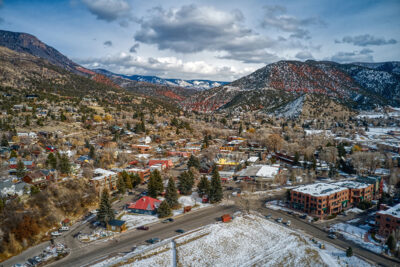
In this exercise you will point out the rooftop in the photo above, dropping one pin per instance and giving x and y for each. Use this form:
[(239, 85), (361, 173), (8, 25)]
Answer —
[(319, 189), (352, 184), (393, 211)]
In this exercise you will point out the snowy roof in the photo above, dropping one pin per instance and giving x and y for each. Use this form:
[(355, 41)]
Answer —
[(352, 184), (266, 171), (101, 173), (253, 159), (393, 211), (319, 189)]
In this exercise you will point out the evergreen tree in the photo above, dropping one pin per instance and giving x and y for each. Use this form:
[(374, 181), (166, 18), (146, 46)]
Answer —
[(164, 210), (105, 213), (151, 187), (127, 180), (296, 158), (20, 169), (341, 150), (349, 252), (216, 187), (155, 185), (203, 188), (240, 129), (13, 154), (51, 161), (171, 195), (65, 166), (27, 121), (186, 181), (92, 152), (158, 181), (121, 185), (4, 141), (391, 242), (135, 179), (34, 190), (193, 162)]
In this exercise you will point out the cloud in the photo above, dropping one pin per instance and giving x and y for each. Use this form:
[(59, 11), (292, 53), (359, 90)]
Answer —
[(365, 40), (276, 17), (303, 55), (365, 55), (108, 10), (171, 67), (108, 43), (134, 48), (192, 29)]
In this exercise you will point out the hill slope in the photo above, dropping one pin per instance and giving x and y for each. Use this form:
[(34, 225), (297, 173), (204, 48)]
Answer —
[(277, 84)]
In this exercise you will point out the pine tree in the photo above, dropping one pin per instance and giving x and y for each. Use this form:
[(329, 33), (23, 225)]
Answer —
[(65, 166), (216, 187), (121, 185), (349, 252), (4, 141), (296, 158), (203, 188), (240, 129), (391, 242), (158, 181), (164, 210), (13, 154), (51, 161), (171, 195), (155, 185), (127, 180), (193, 162), (92, 152), (105, 213), (205, 141), (186, 181), (20, 169), (34, 190), (135, 179)]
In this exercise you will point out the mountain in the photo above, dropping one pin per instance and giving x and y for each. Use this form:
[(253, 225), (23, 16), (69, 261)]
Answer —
[(189, 84), (272, 87)]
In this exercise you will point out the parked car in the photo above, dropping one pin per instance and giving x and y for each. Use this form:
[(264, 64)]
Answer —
[(37, 258), (170, 219), (130, 193), (55, 233), (279, 220), (268, 216), (153, 240), (64, 228), (165, 221), (144, 193), (145, 228), (290, 212), (181, 231), (304, 216), (288, 223), (333, 236)]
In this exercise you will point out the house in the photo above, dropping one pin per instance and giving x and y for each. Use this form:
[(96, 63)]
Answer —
[(145, 205), (165, 163), (265, 173), (142, 149), (116, 226), (8, 188), (37, 178), (104, 179), (144, 174)]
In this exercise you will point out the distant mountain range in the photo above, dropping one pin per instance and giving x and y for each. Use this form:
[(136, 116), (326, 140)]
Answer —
[(189, 84), (271, 88)]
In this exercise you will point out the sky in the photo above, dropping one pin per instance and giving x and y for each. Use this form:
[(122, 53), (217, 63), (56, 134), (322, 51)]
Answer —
[(204, 39)]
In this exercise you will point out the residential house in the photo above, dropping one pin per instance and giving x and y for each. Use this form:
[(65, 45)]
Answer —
[(165, 163), (116, 226), (264, 173), (145, 205)]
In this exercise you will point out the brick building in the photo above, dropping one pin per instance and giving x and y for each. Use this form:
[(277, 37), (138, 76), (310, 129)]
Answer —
[(104, 179), (358, 191), (388, 220), (144, 174), (320, 199)]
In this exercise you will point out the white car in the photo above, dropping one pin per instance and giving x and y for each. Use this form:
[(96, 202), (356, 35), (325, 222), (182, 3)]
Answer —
[(288, 223), (64, 228), (55, 233)]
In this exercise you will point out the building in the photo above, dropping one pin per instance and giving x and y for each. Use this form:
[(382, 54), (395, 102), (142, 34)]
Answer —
[(388, 220), (377, 183), (264, 173), (104, 179), (145, 205), (37, 178), (144, 174), (358, 191), (142, 149), (165, 163), (116, 226), (320, 199)]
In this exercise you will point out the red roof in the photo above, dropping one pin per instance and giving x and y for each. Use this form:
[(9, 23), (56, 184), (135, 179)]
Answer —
[(145, 203)]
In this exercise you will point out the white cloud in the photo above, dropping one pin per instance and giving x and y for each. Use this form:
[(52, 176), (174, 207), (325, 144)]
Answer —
[(108, 10), (170, 67), (366, 40)]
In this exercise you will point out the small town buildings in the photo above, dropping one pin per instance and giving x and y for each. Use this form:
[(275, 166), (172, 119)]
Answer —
[(388, 220), (377, 183), (116, 226), (144, 174), (265, 173), (165, 163), (37, 178), (320, 199), (145, 205), (10, 188), (142, 149), (104, 179), (357, 191)]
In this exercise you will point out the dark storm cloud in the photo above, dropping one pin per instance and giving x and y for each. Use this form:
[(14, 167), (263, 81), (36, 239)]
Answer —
[(191, 29), (108, 10), (108, 43), (366, 40), (365, 55)]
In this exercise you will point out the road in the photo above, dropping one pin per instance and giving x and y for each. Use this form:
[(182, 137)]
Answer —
[(84, 254), (315, 231)]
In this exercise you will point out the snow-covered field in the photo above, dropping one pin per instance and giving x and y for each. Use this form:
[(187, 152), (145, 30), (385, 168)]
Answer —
[(133, 220), (249, 240), (358, 235)]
